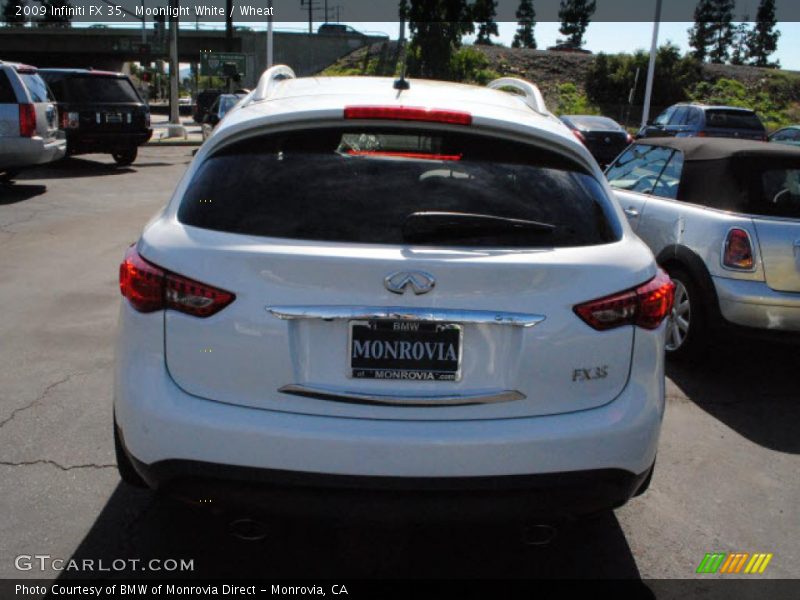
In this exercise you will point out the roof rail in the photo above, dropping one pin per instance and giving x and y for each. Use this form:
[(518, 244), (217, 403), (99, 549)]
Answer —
[(268, 80), (530, 94)]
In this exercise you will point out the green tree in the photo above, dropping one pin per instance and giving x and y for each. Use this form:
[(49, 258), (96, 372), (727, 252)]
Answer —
[(575, 17), (740, 50), (10, 15), (764, 39), (526, 21), (713, 32), (701, 33), (483, 13), (437, 27)]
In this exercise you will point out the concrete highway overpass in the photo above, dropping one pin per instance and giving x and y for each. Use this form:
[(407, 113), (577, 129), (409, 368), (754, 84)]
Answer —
[(110, 48)]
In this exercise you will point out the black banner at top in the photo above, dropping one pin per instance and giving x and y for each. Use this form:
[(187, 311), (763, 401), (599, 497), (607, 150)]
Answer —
[(132, 11)]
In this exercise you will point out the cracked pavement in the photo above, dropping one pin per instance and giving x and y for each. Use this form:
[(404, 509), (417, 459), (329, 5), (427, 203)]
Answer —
[(726, 477)]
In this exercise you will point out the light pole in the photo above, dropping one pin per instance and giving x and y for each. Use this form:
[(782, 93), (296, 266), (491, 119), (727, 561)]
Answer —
[(144, 26), (651, 68), (270, 55), (174, 66)]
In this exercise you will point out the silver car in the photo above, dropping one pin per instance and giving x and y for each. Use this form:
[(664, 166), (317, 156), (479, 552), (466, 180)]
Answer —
[(722, 216), (29, 127)]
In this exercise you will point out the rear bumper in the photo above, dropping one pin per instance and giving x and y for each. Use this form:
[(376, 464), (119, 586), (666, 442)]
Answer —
[(322, 496), (82, 143), (19, 152), (754, 305), (182, 442)]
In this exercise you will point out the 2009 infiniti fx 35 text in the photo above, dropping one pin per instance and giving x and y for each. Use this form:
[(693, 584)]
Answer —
[(386, 294)]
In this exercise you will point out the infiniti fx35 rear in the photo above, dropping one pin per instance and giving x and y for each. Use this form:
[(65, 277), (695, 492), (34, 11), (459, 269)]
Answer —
[(358, 297)]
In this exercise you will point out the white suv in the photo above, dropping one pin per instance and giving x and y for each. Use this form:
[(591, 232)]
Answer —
[(29, 132), (365, 288)]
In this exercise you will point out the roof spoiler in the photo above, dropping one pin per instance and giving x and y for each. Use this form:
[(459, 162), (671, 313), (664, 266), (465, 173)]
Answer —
[(529, 92), (267, 81)]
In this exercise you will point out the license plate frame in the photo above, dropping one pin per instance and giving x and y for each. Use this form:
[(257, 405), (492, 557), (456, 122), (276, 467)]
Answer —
[(398, 369)]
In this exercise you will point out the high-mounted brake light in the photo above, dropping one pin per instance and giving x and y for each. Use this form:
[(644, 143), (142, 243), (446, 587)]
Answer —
[(645, 306), (149, 288), (408, 113), (391, 154), (737, 251), (27, 120)]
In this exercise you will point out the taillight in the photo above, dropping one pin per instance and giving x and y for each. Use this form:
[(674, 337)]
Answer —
[(737, 251), (408, 113), (702, 134), (645, 306), (393, 154), (70, 120), (149, 288), (27, 120), (580, 136)]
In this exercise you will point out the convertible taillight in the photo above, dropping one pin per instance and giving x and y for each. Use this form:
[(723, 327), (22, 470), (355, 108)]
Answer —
[(737, 251), (149, 288), (645, 306)]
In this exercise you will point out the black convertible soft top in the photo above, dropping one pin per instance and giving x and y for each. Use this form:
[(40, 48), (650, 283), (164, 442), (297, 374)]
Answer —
[(726, 173)]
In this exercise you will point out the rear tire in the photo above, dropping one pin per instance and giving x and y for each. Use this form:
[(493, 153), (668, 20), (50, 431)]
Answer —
[(687, 325), (8, 176), (125, 157), (124, 465)]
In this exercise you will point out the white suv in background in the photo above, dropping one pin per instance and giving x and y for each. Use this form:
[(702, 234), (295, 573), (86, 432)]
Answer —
[(387, 293), (29, 132)]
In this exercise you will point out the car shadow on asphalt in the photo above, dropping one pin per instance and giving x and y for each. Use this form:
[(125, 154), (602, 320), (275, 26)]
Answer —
[(76, 167), (137, 524), (18, 192), (751, 387)]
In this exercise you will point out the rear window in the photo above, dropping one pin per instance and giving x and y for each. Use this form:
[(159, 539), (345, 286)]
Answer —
[(93, 89), (7, 95), (595, 123), (390, 186), (733, 119), (779, 194), (36, 86)]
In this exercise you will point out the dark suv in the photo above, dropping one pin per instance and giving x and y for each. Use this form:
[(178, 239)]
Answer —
[(699, 120), (100, 112)]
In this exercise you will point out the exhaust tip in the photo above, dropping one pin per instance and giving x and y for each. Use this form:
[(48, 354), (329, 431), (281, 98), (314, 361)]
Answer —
[(247, 529), (538, 535)]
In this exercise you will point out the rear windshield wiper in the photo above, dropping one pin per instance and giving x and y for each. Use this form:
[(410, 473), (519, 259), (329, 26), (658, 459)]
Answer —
[(427, 226)]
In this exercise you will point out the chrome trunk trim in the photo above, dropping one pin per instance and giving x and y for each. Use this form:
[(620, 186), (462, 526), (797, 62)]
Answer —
[(395, 400), (446, 315)]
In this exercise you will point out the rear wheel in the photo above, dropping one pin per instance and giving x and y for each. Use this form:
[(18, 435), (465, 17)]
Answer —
[(125, 157), (7, 176), (687, 324)]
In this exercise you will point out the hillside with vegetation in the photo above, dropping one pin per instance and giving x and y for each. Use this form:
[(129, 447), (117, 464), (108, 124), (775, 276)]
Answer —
[(601, 83)]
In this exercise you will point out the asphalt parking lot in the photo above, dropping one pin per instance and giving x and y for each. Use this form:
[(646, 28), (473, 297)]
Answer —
[(726, 478)]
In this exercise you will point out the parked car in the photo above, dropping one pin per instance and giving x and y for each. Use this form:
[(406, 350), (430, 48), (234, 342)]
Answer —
[(604, 137), (723, 218), (29, 133), (699, 120), (787, 135), (394, 296), (100, 112), (218, 110), (202, 104)]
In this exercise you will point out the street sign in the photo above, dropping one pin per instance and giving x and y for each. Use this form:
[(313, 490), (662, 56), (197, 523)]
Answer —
[(220, 64)]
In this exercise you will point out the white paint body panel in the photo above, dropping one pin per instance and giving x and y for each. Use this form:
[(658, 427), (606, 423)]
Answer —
[(207, 389)]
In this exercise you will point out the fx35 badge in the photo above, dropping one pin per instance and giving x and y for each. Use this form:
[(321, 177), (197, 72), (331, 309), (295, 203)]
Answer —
[(590, 374)]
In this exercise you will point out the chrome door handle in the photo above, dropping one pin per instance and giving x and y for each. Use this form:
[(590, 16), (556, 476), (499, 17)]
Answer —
[(631, 212)]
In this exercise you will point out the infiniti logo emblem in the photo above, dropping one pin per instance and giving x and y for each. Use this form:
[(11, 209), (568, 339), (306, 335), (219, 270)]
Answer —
[(419, 281)]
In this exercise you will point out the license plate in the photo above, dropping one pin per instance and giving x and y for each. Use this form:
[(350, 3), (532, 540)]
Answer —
[(113, 118), (405, 350)]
